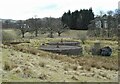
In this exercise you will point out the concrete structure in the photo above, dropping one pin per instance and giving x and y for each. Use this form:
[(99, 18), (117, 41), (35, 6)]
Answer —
[(62, 49), (65, 43), (67, 47)]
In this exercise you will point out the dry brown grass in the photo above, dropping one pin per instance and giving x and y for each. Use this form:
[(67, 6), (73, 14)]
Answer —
[(109, 63), (9, 66), (66, 68), (43, 76), (74, 67)]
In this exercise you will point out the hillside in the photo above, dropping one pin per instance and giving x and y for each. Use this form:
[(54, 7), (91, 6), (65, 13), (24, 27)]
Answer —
[(24, 62)]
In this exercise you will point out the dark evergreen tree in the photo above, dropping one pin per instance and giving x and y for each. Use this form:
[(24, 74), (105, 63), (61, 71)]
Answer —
[(78, 20), (66, 18)]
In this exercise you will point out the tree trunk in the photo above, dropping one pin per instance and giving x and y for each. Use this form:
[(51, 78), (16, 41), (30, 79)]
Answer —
[(59, 34), (108, 33), (23, 36), (36, 33), (51, 34), (23, 33)]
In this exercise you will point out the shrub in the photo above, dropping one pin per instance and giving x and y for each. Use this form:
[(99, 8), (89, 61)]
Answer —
[(82, 37), (9, 35), (42, 64), (74, 67), (7, 66)]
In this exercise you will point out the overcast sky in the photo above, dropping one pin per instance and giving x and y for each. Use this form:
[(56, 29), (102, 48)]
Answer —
[(24, 9)]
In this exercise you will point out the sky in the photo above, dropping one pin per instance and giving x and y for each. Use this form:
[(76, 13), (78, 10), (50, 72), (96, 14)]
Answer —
[(24, 9)]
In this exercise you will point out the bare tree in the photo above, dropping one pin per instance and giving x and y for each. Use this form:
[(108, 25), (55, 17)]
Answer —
[(49, 25), (101, 13), (53, 25), (34, 24), (110, 13), (109, 21), (59, 26), (22, 26)]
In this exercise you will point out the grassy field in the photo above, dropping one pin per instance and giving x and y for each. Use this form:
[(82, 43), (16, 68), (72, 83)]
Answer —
[(23, 62)]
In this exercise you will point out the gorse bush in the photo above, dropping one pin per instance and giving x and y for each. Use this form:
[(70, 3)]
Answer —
[(9, 35)]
